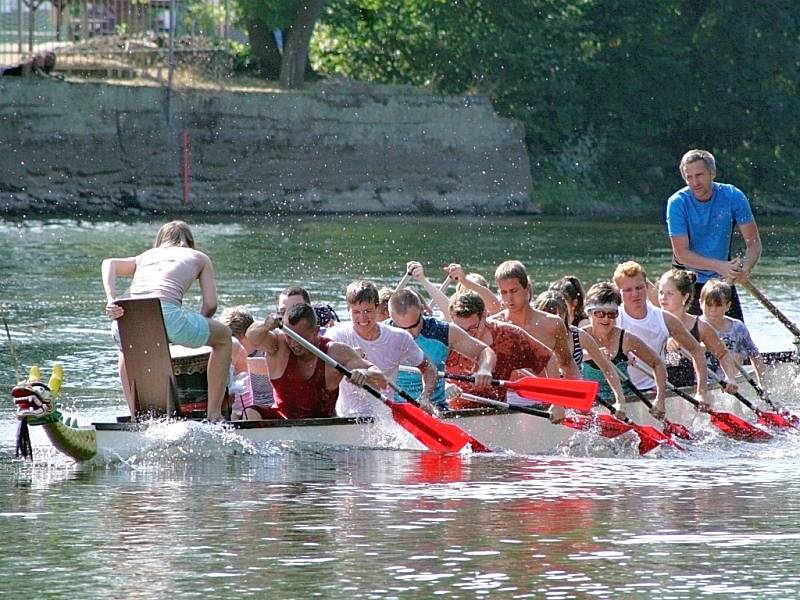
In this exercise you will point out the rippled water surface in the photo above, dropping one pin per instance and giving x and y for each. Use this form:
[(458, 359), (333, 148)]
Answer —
[(203, 514)]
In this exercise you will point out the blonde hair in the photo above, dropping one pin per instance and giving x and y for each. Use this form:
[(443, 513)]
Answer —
[(237, 318), (629, 268), (174, 233)]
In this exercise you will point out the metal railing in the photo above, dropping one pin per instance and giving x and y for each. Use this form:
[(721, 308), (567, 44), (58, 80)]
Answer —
[(117, 38)]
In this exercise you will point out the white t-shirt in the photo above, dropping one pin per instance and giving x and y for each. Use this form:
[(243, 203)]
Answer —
[(392, 348), (652, 330)]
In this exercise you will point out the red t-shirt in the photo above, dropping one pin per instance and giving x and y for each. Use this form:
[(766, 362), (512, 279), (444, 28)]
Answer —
[(515, 349)]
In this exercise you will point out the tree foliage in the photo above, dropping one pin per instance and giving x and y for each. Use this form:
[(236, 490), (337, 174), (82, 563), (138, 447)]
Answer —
[(611, 92)]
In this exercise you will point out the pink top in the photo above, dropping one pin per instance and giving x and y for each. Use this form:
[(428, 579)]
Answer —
[(166, 272)]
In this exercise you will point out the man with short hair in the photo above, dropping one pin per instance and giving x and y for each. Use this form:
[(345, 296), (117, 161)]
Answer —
[(385, 347), (515, 348), (437, 338), (654, 326), (700, 220), (514, 287), (305, 386), (294, 294)]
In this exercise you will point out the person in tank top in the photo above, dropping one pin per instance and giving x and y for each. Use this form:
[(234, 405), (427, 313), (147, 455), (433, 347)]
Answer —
[(167, 271)]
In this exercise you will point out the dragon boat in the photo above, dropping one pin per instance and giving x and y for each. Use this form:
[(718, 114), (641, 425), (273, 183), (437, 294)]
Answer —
[(169, 389)]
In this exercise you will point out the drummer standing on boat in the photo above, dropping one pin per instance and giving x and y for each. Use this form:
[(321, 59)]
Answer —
[(700, 220)]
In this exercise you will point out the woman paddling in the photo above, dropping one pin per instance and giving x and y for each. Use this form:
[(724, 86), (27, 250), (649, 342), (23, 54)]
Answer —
[(167, 271), (602, 306), (676, 294)]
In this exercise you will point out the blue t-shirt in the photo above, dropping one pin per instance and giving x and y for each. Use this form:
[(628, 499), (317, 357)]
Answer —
[(709, 224), (433, 339)]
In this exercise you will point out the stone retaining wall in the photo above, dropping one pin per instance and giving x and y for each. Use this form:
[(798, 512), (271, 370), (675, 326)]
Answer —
[(93, 149)]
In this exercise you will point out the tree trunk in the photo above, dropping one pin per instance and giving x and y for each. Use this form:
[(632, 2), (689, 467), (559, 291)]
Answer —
[(295, 47), (264, 51)]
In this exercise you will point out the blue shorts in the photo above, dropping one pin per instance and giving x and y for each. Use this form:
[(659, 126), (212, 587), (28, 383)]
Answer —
[(185, 327)]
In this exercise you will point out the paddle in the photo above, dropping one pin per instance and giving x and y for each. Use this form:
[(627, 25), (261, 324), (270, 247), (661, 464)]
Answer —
[(430, 431), (793, 418), (649, 437), (758, 295), (606, 425), (570, 393), (403, 282), (670, 428), (731, 425)]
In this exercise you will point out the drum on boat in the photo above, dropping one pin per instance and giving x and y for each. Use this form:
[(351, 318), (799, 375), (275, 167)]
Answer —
[(190, 366)]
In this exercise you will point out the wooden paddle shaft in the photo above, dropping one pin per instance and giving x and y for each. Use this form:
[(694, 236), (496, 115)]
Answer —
[(758, 295)]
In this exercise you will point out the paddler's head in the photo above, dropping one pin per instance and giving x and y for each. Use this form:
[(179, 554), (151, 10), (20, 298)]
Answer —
[(405, 309), (303, 320), (513, 284)]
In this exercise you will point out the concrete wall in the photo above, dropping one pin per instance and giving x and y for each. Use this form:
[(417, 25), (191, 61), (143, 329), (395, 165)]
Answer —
[(98, 149)]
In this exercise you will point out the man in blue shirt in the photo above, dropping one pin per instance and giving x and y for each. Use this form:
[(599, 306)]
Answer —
[(700, 220)]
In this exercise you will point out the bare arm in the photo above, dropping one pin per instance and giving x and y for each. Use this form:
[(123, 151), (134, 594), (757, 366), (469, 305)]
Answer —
[(727, 269), (589, 344), (361, 370), (708, 335), (463, 343), (437, 296), (263, 336), (752, 240), (456, 272), (429, 379), (678, 331), (561, 348), (208, 288), (111, 269)]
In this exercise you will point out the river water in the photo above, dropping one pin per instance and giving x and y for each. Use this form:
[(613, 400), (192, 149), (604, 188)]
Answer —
[(203, 515)]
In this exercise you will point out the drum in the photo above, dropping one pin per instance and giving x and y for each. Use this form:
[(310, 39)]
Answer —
[(189, 365)]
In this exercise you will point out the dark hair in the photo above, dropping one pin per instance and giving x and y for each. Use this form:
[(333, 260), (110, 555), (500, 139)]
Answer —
[(325, 314), (512, 269), (466, 304), (603, 292), (296, 290), (571, 287), (301, 312)]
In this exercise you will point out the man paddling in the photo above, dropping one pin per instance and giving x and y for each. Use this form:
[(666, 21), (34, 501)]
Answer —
[(700, 220), (304, 386), (654, 327), (515, 349), (514, 286), (437, 338), (384, 346)]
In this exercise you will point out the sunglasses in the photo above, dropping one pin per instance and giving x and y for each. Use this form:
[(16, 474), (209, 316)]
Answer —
[(602, 314), (419, 320)]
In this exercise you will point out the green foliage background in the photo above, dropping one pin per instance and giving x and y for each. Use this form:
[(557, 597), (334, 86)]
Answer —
[(611, 92)]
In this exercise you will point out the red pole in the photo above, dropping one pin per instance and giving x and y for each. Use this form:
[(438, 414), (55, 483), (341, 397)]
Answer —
[(185, 146)]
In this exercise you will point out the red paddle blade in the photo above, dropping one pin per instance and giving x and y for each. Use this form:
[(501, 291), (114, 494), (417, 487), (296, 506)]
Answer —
[(737, 428), (772, 418), (570, 393), (434, 434), (678, 430), (605, 425), (650, 438)]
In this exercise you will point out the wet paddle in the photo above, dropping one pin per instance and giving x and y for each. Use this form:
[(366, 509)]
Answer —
[(759, 295), (430, 431), (670, 428), (728, 423), (649, 437), (570, 393), (764, 416), (606, 425), (791, 417)]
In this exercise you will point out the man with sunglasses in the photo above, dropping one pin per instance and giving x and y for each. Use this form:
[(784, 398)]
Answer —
[(515, 349), (654, 326), (437, 338), (385, 347)]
